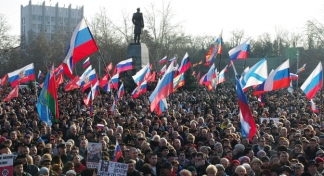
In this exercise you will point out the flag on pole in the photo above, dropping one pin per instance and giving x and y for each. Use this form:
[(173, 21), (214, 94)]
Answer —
[(163, 60), (22, 75), (142, 75), (82, 44), (118, 152), (215, 49), (109, 67), (139, 90), (240, 51), (313, 106), (86, 63), (314, 82), (121, 91), (185, 64), (72, 84), (12, 94), (3, 80), (125, 65), (256, 75), (303, 68)]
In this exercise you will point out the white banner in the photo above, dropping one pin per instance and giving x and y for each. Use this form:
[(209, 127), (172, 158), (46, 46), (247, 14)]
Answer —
[(275, 120), (109, 168)]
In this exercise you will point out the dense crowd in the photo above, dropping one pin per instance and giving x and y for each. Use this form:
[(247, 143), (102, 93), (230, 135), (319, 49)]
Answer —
[(199, 134)]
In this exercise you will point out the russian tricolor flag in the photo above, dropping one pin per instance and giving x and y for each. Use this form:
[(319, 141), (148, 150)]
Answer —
[(139, 90), (86, 63), (82, 44), (163, 60), (121, 91), (211, 74), (279, 78), (114, 81), (22, 75), (247, 122), (162, 71), (313, 106), (89, 80), (173, 59), (118, 152), (185, 64), (221, 76), (125, 65), (84, 74), (95, 90), (163, 89), (240, 51), (107, 86), (142, 75), (162, 106), (294, 77), (214, 50), (314, 82)]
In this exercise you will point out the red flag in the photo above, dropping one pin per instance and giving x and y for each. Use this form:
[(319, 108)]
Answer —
[(151, 66), (59, 80), (4, 80), (152, 77), (115, 71), (109, 67), (12, 94), (41, 85), (72, 84), (198, 76), (104, 80)]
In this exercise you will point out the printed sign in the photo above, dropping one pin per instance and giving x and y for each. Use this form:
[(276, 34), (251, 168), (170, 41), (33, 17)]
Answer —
[(6, 163), (94, 154), (109, 168)]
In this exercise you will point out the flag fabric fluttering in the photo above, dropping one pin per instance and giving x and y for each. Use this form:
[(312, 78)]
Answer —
[(313, 106), (277, 79), (162, 106), (72, 84), (59, 80), (185, 64), (22, 75), (47, 100), (125, 65), (114, 81), (86, 63), (163, 89), (240, 51), (139, 90), (261, 99), (314, 82), (112, 108), (3, 80), (163, 60), (178, 82), (88, 80), (152, 77), (142, 75), (109, 67), (13, 94), (118, 152), (294, 77), (173, 59), (82, 44), (39, 76), (248, 126), (196, 64), (210, 76), (121, 91), (215, 49), (198, 76), (303, 68), (256, 75), (221, 76), (104, 80), (162, 71)]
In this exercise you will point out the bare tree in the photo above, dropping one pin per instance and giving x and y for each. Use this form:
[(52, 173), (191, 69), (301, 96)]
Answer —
[(237, 36), (7, 42)]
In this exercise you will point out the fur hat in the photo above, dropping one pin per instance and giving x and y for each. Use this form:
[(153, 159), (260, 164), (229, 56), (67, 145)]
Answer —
[(46, 158)]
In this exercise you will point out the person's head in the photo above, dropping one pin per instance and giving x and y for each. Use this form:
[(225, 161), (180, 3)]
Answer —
[(284, 156), (240, 170), (152, 159), (220, 169), (167, 168), (193, 170), (76, 159), (298, 168), (131, 165), (225, 162), (185, 172), (247, 168), (261, 141), (211, 170), (22, 158), (18, 167), (27, 138), (256, 164), (43, 171), (138, 9), (46, 161), (71, 173), (133, 153), (312, 167), (57, 169), (313, 143), (61, 148)]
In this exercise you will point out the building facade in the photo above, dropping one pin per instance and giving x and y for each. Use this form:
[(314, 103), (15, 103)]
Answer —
[(37, 18)]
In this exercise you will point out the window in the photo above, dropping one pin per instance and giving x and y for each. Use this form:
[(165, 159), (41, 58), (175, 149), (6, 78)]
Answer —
[(47, 18), (34, 17), (61, 20), (47, 28), (40, 27), (23, 20), (52, 19), (23, 29), (35, 26)]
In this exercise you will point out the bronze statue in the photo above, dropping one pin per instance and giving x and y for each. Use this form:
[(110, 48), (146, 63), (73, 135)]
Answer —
[(139, 24)]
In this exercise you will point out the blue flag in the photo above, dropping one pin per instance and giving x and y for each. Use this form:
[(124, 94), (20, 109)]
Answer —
[(42, 109)]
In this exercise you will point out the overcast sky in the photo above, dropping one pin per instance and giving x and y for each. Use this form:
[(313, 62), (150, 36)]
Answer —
[(200, 17)]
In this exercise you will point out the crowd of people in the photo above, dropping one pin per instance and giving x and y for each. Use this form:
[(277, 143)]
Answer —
[(199, 134)]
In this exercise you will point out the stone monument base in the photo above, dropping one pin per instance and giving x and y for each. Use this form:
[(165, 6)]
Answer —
[(140, 54)]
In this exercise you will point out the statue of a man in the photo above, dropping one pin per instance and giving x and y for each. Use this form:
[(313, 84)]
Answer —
[(139, 24)]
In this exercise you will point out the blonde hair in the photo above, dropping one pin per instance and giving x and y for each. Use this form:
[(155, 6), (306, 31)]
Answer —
[(212, 169), (240, 167)]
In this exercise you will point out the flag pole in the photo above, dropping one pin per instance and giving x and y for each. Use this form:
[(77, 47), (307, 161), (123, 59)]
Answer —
[(321, 107), (100, 54)]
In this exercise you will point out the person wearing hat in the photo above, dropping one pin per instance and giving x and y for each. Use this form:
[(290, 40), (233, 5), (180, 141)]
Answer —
[(265, 163), (70, 173), (311, 150), (320, 162), (283, 161), (167, 169), (256, 164), (193, 170), (61, 149), (27, 139), (4, 149), (18, 169), (286, 170), (312, 168), (220, 170), (44, 171), (28, 168)]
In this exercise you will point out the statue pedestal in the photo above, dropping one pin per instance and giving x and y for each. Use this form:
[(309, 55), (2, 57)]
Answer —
[(140, 54)]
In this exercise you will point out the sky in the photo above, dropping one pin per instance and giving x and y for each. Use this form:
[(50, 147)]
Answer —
[(199, 17)]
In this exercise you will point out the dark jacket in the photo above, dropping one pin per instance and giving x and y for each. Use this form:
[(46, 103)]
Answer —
[(24, 174), (311, 154), (31, 169)]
